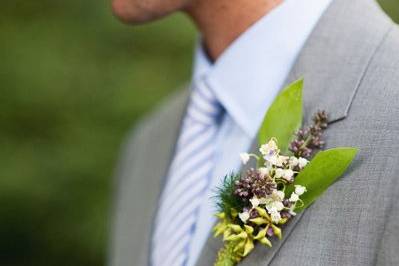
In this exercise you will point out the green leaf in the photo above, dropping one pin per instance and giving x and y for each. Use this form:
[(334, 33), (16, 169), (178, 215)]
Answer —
[(326, 167), (284, 116)]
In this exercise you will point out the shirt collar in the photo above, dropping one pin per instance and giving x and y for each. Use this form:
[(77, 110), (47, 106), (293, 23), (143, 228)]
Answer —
[(250, 72)]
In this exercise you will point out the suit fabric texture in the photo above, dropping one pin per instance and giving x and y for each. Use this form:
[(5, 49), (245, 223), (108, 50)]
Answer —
[(350, 64)]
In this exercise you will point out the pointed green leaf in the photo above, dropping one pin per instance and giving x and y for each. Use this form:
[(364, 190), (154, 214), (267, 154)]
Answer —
[(321, 172), (284, 116)]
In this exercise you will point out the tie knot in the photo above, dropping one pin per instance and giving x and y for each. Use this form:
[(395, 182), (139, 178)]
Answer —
[(204, 107)]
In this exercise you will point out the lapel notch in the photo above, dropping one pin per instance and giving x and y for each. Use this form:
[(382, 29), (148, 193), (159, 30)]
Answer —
[(337, 54)]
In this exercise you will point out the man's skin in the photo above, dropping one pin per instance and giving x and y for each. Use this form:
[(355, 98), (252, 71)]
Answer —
[(219, 21)]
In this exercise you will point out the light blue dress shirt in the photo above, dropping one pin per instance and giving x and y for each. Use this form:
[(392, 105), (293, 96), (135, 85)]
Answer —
[(246, 78)]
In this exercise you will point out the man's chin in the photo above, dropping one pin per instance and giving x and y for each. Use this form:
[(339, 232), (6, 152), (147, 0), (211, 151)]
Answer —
[(132, 12), (127, 12)]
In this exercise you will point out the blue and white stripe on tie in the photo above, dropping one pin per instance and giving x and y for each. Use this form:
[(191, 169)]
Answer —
[(188, 178)]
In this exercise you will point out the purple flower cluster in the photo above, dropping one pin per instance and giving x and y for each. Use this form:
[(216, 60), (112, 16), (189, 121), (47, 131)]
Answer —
[(308, 139), (253, 183)]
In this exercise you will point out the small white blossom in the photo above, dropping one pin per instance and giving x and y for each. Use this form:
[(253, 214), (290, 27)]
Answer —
[(255, 202), (271, 209), (270, 153), (275, 215), (263, 171), (302, 162), (263, 201), (274, 201), (293, 161), (283, 159), (277, 160), (268, 166), (279, 205), (244, 216), (279, 173), (273, 159), (244, 157), (275, 205), (278, 194), (288, 174), (271, 146), (291, 211), (299, 190), (294, 197)]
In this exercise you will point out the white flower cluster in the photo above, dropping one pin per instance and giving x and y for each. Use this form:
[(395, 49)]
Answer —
[(275, 164), (283, 166), (277, 167), (274, 204)]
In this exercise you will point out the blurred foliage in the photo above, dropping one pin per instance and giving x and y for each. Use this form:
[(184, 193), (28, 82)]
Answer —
[(73, 80), (391, 7)]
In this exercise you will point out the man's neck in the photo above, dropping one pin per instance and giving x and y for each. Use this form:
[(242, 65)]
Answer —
[(222, 21)]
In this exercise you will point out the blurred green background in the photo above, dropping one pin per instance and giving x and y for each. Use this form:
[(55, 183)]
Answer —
[(73, 81)]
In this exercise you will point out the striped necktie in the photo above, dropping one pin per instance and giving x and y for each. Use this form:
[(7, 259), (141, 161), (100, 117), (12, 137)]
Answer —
[(188, 178)]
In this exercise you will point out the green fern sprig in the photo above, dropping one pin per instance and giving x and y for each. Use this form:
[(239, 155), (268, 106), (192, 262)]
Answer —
[(226, 199)]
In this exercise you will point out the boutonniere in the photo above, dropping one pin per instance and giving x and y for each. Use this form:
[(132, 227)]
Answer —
[(291, 173)]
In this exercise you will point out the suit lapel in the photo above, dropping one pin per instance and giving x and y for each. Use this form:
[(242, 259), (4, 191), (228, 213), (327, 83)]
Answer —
[(332, 63), (170, 135), (336, 57)]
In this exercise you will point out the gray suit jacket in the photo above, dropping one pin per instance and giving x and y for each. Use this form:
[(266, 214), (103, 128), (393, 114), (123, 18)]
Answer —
[(351, 68)]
